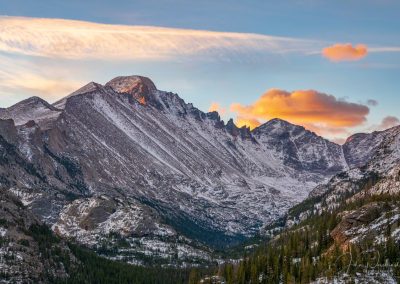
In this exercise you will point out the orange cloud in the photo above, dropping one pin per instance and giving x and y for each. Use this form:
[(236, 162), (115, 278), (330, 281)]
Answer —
[(247, 121), (345, 52), (216, 107), (319, 112)]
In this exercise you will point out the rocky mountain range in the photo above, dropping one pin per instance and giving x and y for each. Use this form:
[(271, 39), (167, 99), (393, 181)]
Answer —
[(346, 231), (137, 173)]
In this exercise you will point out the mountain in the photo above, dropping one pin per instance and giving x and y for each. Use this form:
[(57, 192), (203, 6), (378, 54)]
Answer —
[(346, 231), (33, 108), (133, 171)]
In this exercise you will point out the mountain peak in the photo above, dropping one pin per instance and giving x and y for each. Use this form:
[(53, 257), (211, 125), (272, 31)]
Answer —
[(88, 88), (281, 123), (140, 88), (277, 125), (131, 84), (33, 101), (33, 108)]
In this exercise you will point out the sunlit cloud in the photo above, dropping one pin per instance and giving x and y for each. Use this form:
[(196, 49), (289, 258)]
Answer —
[(20, 78), (319, 112), (345, 52), (217, 107), (58, 38), (38, 85), (247, 121)]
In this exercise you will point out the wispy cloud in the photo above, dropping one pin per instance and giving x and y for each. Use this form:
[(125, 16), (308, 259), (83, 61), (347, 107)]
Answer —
[(384, 49), (20, 78), (58, 38)]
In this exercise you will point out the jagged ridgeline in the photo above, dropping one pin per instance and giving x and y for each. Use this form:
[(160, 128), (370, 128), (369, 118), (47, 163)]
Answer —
[(138, 175), (347, 231)]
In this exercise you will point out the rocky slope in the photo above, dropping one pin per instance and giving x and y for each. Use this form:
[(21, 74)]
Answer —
[(347, 231), (33, 108), (23, 258), (126, 161), (353, 217)]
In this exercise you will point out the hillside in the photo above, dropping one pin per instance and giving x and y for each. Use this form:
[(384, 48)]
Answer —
[(347, 231)]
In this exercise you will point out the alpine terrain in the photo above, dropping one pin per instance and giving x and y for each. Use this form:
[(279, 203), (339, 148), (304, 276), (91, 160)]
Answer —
[(140, 176)]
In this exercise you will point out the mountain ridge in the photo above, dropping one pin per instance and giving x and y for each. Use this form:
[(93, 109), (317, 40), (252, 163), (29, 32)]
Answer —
[(138, 153)]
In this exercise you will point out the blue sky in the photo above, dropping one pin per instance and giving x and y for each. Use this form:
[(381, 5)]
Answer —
[(216, 72)]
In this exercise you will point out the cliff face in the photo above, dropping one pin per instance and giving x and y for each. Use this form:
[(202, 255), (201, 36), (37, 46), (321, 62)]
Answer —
[(26, 250)]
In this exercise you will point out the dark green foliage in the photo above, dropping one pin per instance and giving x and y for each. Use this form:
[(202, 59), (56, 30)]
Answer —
[(88, 267), (307, 251), (185, 225), (24, 242), (95, 269), (3, 222)]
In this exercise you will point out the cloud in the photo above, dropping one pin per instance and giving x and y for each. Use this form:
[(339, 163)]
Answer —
[(217, 107), (247, 121), (319, 112), (388, 122), (38, 85), (20, 78), (345, 52), (58, 38), (384, 49), (372, 102)]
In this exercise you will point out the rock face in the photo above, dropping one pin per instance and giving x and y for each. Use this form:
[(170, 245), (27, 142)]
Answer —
[(301, 149), (360, 148), (358, 218), (370, 188), (128, 159), (22, 256), (33, 108)]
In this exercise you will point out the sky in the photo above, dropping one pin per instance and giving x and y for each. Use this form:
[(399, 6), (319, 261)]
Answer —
[(331, 66)]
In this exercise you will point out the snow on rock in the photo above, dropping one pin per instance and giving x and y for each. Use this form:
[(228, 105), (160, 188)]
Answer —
[(3, 232), (128, 159), (33, 108)]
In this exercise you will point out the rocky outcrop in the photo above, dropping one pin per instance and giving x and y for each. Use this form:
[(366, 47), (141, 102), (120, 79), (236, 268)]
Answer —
[(346, 230), (24, 258)]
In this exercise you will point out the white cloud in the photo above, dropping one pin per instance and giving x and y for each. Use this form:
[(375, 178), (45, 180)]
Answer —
[(58, 38)]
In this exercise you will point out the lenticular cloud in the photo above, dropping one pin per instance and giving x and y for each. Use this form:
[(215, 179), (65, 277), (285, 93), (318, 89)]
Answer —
[(82, 40)]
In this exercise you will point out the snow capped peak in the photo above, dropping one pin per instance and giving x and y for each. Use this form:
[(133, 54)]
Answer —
[(356, 137), (33, 108), (276, 126), (141, 88), (32, 101), (131, 84), (88, 88)]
